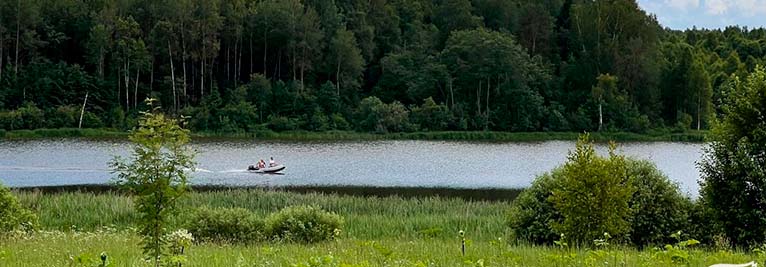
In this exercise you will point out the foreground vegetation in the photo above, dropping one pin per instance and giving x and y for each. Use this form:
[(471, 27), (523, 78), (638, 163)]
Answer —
[(689, 136), (366, 217), (387, 231), (67, 249)]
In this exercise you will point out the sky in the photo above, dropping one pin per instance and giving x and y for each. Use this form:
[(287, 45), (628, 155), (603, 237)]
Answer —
[(683, 14)]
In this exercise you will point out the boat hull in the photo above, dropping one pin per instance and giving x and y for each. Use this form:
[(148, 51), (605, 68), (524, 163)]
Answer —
[(273, 169)]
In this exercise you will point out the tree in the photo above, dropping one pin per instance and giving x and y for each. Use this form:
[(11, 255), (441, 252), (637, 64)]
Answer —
[(592, 195), (733, 178), (348, 61), (156, 175)]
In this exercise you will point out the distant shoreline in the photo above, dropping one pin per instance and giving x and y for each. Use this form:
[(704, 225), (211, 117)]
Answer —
[(691, 136), (474, 194)]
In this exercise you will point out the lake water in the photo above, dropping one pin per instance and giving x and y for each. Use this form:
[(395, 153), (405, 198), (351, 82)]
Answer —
[(374, 163)]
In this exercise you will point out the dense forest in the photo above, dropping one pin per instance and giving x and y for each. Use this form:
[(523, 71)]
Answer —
[(366, 65)]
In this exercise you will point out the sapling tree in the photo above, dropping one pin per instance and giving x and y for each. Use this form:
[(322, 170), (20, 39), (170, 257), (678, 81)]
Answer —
[(156, 174)]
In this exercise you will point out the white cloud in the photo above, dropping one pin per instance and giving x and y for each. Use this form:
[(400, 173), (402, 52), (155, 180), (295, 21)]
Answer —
[(683, 4), (717, 7), (751, 7)]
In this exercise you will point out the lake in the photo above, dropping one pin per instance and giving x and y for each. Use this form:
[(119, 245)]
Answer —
[(366, 163)]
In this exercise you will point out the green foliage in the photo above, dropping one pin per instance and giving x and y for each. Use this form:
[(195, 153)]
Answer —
[(532, 213), (303, 224), (375, 116), (156, 175), (592, 194), (654, 207), (659, 207), (732, 169), (430, 116), (234, 225), (12, 215)]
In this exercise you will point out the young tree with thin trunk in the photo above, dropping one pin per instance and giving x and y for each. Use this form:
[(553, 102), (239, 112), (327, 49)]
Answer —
[(157, 174)]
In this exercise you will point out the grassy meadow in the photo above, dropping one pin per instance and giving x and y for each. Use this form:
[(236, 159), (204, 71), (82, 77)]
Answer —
[(378, 231)]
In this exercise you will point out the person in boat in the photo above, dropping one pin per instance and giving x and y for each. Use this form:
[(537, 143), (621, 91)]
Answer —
[(261, 164), (272, 163)]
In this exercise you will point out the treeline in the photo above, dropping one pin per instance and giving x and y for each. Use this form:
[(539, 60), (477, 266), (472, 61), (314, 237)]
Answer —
[(372, 65)]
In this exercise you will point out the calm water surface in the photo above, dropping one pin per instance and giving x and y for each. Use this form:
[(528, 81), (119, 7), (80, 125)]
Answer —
[(378, 163)]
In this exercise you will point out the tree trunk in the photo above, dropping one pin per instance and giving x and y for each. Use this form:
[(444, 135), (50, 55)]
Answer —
[(151, 77), (600, 117), (18, 31), (228, 66), (135, 90), (183, 65), (202, 78), (82, 111), (251, 55), (478, 99), (303, 67), (2, 45), (699, 112), (337, 78), (265, 48), (172, 78), (486, 106), (127, 85), (451, 92)]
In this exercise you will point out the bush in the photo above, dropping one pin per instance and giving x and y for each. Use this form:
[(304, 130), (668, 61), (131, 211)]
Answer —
[(338, 122), (12, 215), (531, 213), (656, 209), (430, 116), (592, 195), (31, 116), (733, 176), (659, 207), (303, 224), (374, 115), (235, 225), (11, 120), (63, 117), (282, 123)]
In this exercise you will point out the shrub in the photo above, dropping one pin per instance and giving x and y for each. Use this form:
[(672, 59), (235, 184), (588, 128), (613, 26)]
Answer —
[(282, 123), (31, 116), (235, 225), (338, 122), (592, 194), (11, 120), (659, 207), (656, 208), (430, 116), (12, 215), (63, 117), (531, 213), (303, 224), (733, 176)]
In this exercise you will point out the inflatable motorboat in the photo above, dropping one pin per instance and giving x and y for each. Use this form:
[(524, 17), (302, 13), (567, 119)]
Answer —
[(271, 169)]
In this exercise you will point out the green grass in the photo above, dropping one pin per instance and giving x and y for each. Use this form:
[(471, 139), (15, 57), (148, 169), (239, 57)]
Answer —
[(691, 136), (379, 231), (122, 248), (390, 217)]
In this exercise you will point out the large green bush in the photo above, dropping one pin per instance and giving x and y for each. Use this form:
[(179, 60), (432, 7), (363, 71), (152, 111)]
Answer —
[(654, 209), (733, 168), (303, 224), (532, 214), (659, 207), (235, 225), (592, 194), (12, 215)]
